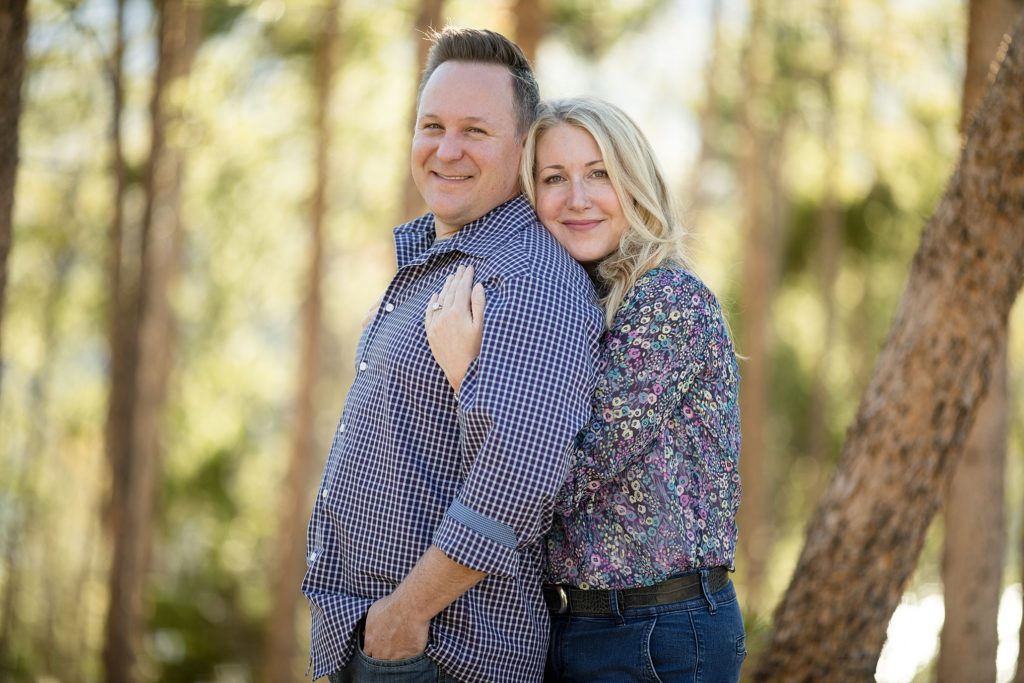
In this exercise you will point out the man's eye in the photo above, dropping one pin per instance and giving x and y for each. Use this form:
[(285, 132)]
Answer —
[(431, 126), (476, 131)]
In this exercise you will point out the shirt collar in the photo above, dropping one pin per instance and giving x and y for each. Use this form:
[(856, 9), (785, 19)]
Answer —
[(415, 241)]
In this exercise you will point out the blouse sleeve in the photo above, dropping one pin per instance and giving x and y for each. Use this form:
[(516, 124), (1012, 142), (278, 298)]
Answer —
[(655, 349)]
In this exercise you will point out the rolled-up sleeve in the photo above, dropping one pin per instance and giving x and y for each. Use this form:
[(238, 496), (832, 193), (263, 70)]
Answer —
[(520, 407)]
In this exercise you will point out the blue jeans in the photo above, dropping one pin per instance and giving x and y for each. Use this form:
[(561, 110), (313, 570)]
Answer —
[(697, 641), (364, 669)]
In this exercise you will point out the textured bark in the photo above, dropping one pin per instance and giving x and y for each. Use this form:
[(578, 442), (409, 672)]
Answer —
[(975, 519), (287, 565), (137, 479), (13, 33), (866, 535), (755, 339), (531, 24), (428, 17)]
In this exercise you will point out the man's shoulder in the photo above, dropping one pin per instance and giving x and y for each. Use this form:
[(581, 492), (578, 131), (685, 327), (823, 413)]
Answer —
[(537, 244), (531, 251)]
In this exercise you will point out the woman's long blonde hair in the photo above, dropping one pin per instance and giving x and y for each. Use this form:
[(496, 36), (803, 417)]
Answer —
[(655, 235)]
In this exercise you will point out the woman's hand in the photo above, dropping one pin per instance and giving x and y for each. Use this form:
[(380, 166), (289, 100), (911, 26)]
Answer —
[(455, 324)]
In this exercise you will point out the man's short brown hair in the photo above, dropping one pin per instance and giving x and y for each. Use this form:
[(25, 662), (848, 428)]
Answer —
[(487, 47)]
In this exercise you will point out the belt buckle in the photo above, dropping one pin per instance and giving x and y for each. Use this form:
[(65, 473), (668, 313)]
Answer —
[(563, 601)]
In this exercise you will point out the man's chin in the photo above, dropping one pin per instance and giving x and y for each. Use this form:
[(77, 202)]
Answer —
[(450, 215), (448, 222)]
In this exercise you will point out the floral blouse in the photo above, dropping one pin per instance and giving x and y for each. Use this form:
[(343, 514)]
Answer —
[(653, 484)]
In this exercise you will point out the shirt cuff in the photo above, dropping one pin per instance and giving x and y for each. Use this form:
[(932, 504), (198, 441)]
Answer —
[(477, 542)]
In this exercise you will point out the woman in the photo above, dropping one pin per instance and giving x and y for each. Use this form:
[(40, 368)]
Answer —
[(644, 531)]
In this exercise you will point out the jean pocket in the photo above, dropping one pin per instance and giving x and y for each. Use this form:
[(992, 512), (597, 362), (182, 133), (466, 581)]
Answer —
[(651, 673), (408, 663)]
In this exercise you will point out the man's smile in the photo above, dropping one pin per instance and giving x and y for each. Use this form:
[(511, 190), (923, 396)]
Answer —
[(442, 176)]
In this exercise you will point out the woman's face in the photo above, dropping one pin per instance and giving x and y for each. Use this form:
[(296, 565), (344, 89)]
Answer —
[(575, 198)]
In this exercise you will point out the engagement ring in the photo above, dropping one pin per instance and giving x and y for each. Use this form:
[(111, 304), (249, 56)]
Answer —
[(436, 306)]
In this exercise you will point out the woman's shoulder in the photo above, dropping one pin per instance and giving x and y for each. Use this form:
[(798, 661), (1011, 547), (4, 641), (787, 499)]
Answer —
[(672, 301), (671, 285)]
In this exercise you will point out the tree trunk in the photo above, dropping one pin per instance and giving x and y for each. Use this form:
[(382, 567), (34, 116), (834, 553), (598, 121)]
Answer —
[(530, 26), (693, 190), (13, 33), (428, 17), (755, 342), (933, 371), (975, 540), (975, 520), (123, 284), (288, 564), (136, 482), (829, 247)]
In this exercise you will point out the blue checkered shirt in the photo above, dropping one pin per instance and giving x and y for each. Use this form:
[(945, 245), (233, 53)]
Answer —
[(401, 475)]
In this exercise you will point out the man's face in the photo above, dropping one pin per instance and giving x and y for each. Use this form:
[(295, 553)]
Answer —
[(465, 154)]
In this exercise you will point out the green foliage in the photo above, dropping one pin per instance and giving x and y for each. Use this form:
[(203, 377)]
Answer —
[(861, 234), (200, 618), (891, 102), (593, 27), (220, 16), (191, 639), (758, 634), (206, 492)]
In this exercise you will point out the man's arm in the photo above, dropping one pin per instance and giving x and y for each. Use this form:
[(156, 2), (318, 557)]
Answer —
[(539, 342), (397, 626), (520, 406)]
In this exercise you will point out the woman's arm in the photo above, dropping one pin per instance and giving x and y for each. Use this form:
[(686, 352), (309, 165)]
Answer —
[(658, 346)]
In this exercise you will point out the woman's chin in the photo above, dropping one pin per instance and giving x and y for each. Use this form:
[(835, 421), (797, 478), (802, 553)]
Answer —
[(588, 257)]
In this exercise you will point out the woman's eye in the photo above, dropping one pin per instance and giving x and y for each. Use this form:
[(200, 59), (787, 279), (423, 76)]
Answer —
[(600, 173), (552, 179)]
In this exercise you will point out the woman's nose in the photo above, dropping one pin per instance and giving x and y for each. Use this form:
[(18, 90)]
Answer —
[(579, 199)]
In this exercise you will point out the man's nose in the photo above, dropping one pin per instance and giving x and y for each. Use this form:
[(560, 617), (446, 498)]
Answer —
[(449, 148), (579, 198)]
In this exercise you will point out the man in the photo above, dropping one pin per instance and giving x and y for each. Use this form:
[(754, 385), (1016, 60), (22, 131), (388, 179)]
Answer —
[(423, 554)]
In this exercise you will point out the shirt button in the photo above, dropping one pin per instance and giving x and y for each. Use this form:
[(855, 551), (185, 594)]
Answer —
[(389, 307), (363, 366), (341, 429)]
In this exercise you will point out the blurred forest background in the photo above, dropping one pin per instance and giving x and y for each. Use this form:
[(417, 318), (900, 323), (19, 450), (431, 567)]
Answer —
[(203, 213)]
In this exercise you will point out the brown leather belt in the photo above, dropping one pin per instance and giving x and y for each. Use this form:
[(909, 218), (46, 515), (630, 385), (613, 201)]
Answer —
[(598, 602)]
